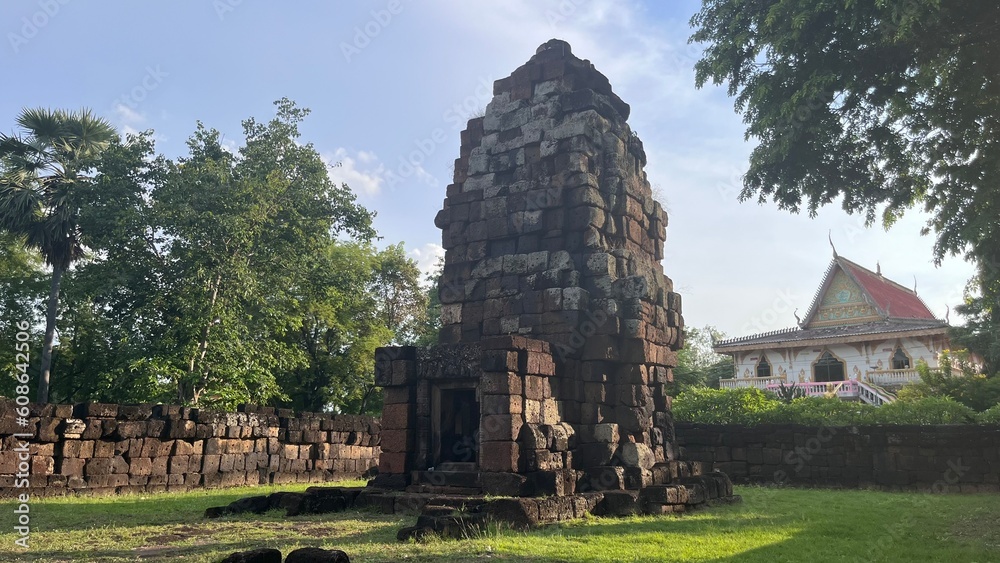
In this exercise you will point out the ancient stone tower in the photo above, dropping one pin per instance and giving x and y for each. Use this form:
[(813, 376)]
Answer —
[(559, 328), (550, 222)]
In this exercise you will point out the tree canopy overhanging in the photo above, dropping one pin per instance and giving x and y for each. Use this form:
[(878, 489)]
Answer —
[(885, 104)]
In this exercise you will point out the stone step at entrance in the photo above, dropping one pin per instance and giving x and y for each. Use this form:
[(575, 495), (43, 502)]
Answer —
[(456, 466), (442, 482)]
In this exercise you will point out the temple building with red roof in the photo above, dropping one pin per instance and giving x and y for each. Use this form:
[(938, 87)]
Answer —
[(862, 333)]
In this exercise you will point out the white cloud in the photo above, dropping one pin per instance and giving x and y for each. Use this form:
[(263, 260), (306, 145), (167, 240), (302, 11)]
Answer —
[(127, 116), (360, 170), (427, 256), (132, 122), (368, 176), (128, 120), (230, 146)]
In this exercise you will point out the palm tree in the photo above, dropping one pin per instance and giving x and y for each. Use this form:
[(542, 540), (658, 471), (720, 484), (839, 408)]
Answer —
[(40, 170)]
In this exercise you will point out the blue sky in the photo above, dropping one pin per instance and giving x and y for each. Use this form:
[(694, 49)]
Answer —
[(391, 84)]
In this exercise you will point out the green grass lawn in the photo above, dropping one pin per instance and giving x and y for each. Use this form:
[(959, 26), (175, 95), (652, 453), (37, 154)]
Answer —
[(770, 525)]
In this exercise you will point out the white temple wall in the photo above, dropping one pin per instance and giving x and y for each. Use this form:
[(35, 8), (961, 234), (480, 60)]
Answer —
[(796, 364)]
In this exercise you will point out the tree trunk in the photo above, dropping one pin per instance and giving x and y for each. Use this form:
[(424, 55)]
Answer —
[(50, 335), (364, 399), (203, 343)]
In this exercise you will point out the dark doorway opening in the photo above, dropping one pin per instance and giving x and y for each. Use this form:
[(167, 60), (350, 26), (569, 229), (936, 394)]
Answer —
[(458, 430)]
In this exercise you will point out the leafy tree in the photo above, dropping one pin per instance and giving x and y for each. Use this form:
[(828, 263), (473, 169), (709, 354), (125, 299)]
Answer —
[(969, 388), (396, 286), (22, 289), (886, 104), (42, 168), (337, 332), (113, 344), (363, 299), (242, 231), (430, 325), (697, 364), (223, 278), (981, 331), (210, 265)]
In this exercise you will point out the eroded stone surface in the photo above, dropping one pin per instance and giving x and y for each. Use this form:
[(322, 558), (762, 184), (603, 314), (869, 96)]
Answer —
[(555, 308), (550, 228)]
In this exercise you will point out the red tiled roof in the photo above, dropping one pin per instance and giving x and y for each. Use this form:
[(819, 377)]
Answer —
[(902, 311), (891, 298)]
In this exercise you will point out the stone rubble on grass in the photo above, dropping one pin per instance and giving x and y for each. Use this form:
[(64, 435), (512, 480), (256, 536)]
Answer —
[(264, 555), (302, 555)]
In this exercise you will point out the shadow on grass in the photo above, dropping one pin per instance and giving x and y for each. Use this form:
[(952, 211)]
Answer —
[(82, 513), (789, 525), (211, 540), (771, 525)]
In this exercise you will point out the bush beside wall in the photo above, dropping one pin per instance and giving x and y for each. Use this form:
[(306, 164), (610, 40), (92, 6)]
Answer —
[(753, 406)]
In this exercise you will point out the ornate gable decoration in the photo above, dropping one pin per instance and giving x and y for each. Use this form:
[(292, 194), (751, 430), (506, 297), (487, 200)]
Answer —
[(844, 302), (851, 294)]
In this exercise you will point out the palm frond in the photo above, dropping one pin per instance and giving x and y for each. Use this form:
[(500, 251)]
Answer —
[(45, 125), (41, 169)]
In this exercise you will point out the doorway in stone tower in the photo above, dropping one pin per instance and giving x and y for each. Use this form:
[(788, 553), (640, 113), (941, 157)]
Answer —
[(455, 426)]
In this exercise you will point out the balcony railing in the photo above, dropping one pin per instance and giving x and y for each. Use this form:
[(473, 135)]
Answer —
[(892, 376), (758, 382), (842, 389)]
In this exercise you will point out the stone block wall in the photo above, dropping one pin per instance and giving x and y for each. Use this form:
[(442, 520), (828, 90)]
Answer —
[(559, 430), (550, 229), (106, 448), (945, 458), (513, 377)]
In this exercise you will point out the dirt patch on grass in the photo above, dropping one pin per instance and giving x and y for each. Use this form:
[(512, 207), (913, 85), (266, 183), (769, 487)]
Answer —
[(179, 533), (978, 526), (166, 543)]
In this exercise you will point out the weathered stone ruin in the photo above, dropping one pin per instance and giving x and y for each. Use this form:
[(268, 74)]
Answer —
[(559, 327), (97, 448), (546, 399)]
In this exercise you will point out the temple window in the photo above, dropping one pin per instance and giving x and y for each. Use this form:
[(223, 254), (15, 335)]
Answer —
[(900, 360), (763, 367)]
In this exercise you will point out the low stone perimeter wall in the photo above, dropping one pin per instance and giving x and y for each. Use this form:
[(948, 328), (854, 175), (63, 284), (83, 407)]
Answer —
[(102, 448), (945, 458)]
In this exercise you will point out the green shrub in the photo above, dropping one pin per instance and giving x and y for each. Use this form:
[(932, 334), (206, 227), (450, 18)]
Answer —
[(751, 407), (929, 410), (724, 406), (823, 411), (788, 393), (989, 416), (914, 392), (973, 390)]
